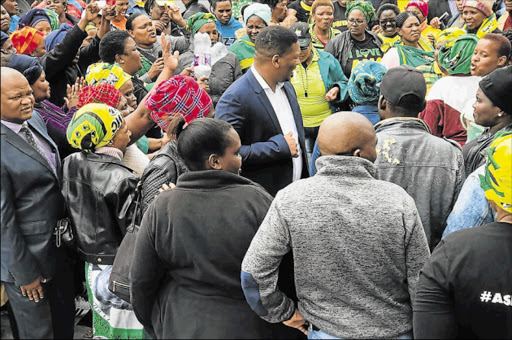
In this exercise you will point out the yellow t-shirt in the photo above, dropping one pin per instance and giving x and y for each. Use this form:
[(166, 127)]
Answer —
[(311, 91), (387, 42), (429, 29)]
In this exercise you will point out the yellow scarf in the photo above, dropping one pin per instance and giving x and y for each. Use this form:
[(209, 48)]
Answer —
[(489, 25), (305, 6)]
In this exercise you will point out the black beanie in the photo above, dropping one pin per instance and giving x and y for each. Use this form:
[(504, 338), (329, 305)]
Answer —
[(497, 86)]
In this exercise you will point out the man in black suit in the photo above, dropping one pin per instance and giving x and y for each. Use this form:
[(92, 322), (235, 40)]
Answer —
[(36, 275), (262, 107)]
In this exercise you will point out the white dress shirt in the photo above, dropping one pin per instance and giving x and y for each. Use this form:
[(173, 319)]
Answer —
[(284, 113)]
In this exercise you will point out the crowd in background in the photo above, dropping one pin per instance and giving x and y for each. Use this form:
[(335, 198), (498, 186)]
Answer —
[(257, 169)]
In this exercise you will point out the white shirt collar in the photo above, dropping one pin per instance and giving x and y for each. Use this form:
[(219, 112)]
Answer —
[(262, 81)]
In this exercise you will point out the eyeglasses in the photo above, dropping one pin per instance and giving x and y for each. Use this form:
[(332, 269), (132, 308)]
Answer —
[(356, 22), (386, 21)]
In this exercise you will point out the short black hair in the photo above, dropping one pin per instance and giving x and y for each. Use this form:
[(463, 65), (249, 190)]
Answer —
[(508, 35), (148, 5), (502, 43), (129, 21), (387, 7), (112, 44), (200, 139), (275, 40), (402, 18), (213, 3)]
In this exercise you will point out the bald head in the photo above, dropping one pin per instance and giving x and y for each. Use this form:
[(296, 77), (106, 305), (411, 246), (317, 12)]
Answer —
[(16, 96), (348, 134)]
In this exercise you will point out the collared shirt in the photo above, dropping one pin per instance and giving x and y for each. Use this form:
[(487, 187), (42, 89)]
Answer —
[(284, 113), (40, 141)]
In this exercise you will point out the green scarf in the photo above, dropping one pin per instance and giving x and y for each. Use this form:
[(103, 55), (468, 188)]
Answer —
[(413, 56), (244, 49), (455, 54), (198, 20), (364, 6)]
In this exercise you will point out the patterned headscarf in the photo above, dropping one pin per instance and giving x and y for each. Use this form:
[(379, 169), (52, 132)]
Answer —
[(26, 40), (364, 82), (455, 54), (260, 10), (54, 19), (103, 93), (484, 6), (33, 17), (198, 20), (422, 5), (93, 126), (497, 182), (364, 6), (106, 73), (178, 95)]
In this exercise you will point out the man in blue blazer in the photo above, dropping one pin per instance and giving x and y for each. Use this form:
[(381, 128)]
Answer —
[(262, 107), (36, 275)]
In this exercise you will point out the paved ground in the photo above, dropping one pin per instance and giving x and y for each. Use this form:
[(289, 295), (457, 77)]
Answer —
[(5, 330)]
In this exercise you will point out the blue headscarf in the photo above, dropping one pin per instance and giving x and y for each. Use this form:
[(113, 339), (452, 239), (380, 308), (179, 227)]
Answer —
[(26, 65), (56, 37), (364, 82)]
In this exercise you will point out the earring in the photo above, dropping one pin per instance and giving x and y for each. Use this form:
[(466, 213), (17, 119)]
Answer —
[(121, 62), (500, 114)]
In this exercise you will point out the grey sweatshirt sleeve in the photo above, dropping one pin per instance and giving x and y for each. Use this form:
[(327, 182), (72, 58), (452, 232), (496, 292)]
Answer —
[(416, 245), (260, 268)]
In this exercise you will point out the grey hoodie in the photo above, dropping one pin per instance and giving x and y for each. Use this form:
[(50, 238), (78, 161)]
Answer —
[(358, 246)]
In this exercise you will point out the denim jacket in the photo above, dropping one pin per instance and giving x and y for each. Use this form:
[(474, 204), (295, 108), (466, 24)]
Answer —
[(429, 168), (472, 208)]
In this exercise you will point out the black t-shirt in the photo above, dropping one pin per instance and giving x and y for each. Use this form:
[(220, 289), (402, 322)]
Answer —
[(362, 50), (465, 287), (302, 15), (340, 18)]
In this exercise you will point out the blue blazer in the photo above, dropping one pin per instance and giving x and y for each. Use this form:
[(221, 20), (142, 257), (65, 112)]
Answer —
[(266, 157), (31, 204)]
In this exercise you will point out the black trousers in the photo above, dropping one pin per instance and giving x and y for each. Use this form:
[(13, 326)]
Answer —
[(53, 317)]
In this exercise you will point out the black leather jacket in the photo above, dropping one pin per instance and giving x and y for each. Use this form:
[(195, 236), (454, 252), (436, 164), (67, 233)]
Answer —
[(100, 194)]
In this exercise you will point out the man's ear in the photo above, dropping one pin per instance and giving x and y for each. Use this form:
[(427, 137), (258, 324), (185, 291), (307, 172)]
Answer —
[(357, 153), (275, 61), (502, 61), (382, 104), (215, 162)]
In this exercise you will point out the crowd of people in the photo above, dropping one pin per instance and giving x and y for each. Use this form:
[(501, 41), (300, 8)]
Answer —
[(350, 162)]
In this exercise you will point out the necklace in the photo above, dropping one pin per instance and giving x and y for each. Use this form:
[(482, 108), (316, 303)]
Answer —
[(304, 76)]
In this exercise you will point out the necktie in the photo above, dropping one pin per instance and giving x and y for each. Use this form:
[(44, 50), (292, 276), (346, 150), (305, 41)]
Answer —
[(25, 129)]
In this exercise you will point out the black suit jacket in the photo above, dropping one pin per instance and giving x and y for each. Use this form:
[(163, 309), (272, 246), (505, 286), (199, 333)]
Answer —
[(31, 204), (266, 157), (436, 8)]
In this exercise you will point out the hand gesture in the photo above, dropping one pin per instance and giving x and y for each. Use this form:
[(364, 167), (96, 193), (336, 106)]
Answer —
[(376, 29), (91, 11), (290, 18), (435, 22), (203, 83), (188, 72), (174, 13), (292, 144), (35, 4), (332, 94), (156, 68), (159, 26), (72, 97), (109, 12), (170, 60), (166, 187), (297, 321), (34, 290)]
